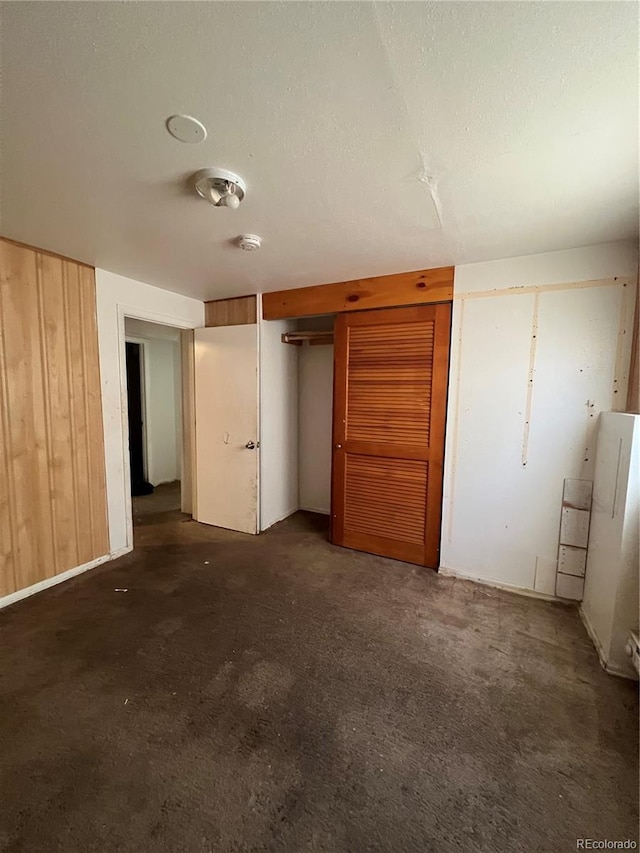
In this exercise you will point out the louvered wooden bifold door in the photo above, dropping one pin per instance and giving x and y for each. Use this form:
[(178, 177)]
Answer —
[(391, 371)]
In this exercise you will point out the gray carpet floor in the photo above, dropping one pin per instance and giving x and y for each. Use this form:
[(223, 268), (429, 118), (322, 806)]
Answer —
[(276, 693)]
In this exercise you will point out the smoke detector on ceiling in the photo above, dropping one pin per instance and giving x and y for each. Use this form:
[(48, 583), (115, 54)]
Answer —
[(220, 187), (249, 242)]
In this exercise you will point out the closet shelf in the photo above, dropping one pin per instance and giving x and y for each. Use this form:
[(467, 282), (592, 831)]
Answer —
[(313, 338)]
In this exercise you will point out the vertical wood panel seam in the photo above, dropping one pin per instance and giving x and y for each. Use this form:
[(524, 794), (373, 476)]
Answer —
[(83, 344), (4, 406), (532, 368), (47, 411), (621, 371), (72, 419)]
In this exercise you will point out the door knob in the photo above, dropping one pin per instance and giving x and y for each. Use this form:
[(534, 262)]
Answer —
[(338, 446), (250, 445)]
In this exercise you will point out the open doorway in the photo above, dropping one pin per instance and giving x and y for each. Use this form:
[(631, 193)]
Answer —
[(136, 404), (154, 399)]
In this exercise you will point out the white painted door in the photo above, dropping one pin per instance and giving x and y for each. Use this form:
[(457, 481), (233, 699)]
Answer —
[(226, 409)]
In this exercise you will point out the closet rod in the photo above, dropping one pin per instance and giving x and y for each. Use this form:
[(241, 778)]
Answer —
[(313, 338)]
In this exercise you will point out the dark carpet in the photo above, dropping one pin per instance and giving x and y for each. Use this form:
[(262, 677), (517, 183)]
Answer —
[(276, 693)]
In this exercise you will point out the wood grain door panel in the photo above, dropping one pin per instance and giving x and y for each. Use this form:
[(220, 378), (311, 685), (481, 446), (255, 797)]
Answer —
[(389, 415), (226, 434)]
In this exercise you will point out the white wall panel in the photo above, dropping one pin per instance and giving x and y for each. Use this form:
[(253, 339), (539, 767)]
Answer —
[(504, 476), (610, 604), (570, 265), (316, 423), (485, 532)]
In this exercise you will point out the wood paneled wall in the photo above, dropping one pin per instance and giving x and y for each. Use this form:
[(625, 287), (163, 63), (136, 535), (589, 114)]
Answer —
[(237, 311), (53, 514)]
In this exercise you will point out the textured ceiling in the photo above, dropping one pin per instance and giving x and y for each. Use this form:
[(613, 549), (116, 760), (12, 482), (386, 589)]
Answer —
[(374, 138)]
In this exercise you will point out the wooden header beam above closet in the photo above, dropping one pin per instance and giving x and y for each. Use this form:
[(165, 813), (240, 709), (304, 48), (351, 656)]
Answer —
[(386, 291)]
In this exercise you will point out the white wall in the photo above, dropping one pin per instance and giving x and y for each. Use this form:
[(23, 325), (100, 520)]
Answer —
[(117, 297), (278, 423), (315, 383), (536, 355), (296, 400), (162, 398)]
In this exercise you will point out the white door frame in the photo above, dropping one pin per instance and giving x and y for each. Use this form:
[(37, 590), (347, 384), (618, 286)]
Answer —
[(124, 311)]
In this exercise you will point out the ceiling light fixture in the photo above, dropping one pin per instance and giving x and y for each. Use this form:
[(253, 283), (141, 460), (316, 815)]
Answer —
[(220, 187)]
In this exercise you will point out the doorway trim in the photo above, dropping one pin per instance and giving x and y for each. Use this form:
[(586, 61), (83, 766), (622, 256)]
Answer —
[(123, 311)]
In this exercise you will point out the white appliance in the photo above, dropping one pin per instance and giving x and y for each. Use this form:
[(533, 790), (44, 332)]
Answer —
[(610, 604), (633, 649)]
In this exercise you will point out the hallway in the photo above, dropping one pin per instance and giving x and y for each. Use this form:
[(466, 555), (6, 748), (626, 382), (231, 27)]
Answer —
[(148, 509)]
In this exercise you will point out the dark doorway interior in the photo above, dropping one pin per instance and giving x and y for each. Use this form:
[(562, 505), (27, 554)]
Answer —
[(139, 484)]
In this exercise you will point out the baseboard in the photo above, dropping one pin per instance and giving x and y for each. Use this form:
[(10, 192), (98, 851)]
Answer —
[(619, 673), (6, 600), (612, 670), (278, 520), (121, 552), (593, 637), (316, 509), (508, 587)]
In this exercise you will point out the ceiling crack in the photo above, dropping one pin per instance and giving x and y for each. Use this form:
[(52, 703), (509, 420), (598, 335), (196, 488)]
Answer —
[(431, 182)]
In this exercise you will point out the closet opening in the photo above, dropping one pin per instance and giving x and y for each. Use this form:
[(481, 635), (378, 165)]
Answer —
[(297, 421), (353, 415), (313, 338)]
